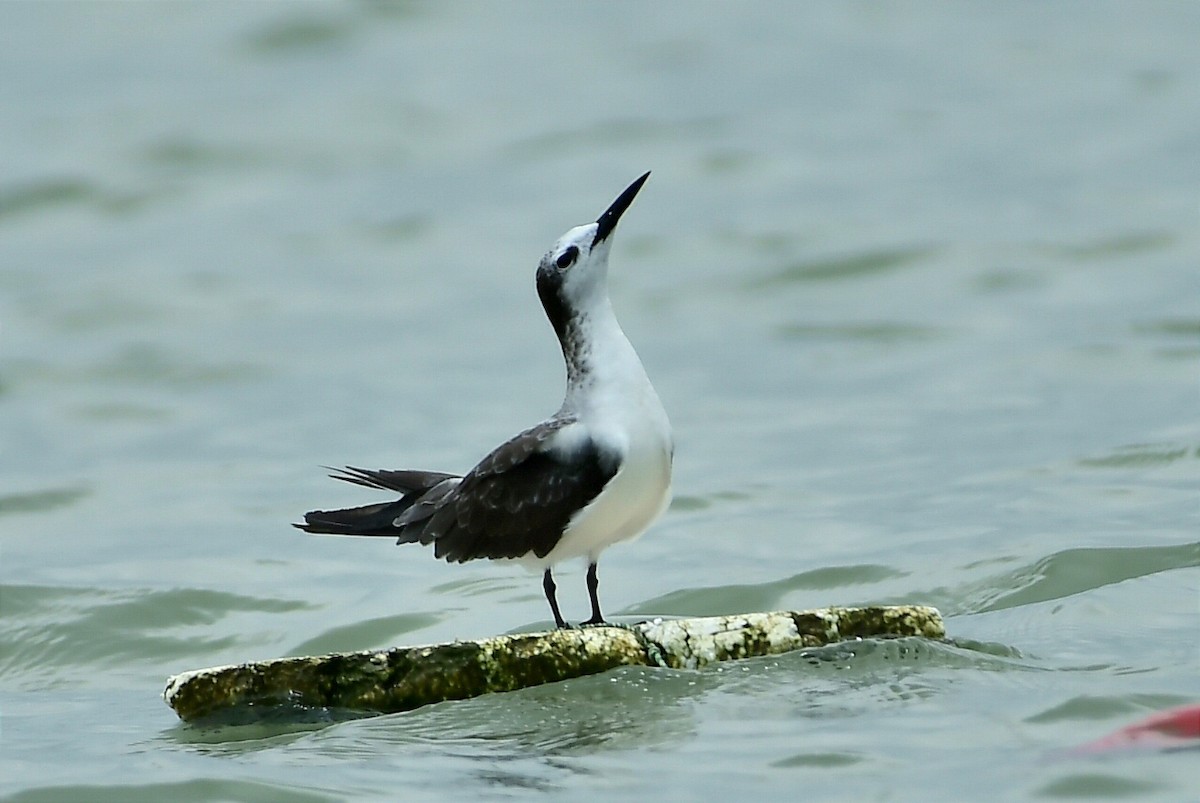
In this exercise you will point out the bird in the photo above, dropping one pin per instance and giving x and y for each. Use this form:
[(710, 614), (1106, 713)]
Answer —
[(595, 473)]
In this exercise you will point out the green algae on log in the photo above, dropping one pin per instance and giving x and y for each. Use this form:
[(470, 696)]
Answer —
[(404, 678)]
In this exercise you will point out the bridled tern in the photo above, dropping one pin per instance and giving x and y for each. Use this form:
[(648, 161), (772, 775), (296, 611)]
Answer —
[(595, 473)]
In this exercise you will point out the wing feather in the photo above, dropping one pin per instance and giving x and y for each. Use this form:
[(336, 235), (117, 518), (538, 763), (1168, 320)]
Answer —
[(518, 501), (520, 498)]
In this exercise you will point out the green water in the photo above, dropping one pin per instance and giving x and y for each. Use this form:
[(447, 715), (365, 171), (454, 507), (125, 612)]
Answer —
[(919, 287)]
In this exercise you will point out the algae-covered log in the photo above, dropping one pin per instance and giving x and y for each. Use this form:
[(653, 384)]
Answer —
[(404, 678)]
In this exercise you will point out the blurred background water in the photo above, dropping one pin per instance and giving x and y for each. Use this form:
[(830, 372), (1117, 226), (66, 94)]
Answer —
[(919, 286)]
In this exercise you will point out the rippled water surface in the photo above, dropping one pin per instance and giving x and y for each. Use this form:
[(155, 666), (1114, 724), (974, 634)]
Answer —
[(920, 289)]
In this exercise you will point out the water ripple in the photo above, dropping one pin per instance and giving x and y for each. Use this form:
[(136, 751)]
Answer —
[(41, 501), (48, 633), (1140, 456), (1062, 574), (365, 635), (1075, 571), (850, 266), (721, 600)]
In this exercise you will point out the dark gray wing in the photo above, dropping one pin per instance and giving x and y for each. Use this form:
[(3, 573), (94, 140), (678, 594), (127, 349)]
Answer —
[(517, 501)]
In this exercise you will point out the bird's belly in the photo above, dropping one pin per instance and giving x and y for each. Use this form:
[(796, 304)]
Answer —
[(631, 501)]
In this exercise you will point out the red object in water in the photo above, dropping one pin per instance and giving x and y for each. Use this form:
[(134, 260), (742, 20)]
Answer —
[(1164, 730)]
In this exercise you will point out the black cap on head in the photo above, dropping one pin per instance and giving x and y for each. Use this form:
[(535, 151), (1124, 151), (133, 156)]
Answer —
[(608, 221)]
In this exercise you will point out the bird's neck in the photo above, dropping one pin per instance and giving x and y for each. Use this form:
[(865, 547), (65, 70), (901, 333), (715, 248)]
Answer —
[(600, 359)]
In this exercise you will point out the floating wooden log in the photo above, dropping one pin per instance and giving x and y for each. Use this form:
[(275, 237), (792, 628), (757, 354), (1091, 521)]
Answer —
[(404, 678)]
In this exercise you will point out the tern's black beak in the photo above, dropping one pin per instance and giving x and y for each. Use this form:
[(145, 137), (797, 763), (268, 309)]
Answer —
[(608, 221)]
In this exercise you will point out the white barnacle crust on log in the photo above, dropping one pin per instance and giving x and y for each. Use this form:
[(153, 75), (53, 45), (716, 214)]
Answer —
[(693, 643), (403, 678)]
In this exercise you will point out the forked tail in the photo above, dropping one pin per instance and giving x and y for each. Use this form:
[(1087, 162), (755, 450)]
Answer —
[(380, 518)]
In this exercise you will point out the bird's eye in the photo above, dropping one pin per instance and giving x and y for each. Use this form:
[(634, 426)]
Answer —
[(567, 258)]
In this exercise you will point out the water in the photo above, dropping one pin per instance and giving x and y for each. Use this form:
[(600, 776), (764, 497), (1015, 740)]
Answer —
[(918, 287)]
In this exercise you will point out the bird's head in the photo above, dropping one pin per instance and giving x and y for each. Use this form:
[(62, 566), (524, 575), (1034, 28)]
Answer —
[(573, 274)]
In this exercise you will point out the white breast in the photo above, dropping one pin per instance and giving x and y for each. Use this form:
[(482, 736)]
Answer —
[(641, 489), (616, 407)]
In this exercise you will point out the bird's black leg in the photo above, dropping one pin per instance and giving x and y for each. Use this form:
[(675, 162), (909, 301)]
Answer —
[(593, 583), (548, 585)]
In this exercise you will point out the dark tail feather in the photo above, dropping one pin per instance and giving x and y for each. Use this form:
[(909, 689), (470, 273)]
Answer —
[(367, 520), (404, 482), (377, 519)]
